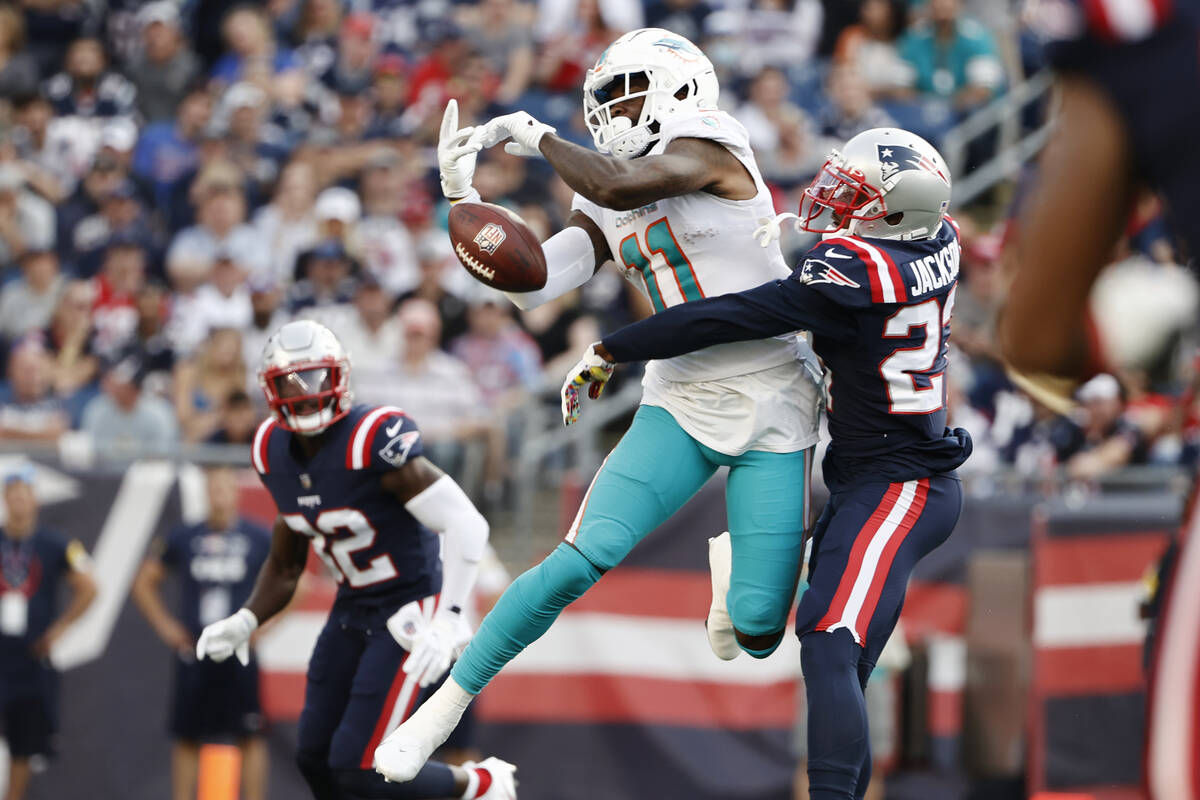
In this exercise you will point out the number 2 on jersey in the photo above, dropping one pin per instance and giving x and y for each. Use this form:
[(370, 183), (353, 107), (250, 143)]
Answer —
[(338, 554), (902, 367), (660, 239)]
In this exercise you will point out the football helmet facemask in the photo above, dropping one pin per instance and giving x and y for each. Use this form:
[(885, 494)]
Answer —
[(305, 375)]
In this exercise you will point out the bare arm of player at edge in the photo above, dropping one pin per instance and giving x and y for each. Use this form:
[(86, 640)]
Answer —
[(280, 573)]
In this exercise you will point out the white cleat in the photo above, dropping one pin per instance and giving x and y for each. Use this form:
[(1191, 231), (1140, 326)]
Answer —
[(401, 755), (504, 783), (721, 636)]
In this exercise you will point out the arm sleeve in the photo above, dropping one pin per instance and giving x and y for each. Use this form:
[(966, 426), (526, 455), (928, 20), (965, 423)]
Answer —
[(570, 262), (768, 310), (444, 507)]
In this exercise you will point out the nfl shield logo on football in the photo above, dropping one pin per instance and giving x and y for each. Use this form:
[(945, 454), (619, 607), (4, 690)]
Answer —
[(490, 237), (305, 481)]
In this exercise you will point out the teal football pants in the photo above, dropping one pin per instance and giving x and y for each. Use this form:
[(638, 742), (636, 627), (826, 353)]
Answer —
[(649, 475)]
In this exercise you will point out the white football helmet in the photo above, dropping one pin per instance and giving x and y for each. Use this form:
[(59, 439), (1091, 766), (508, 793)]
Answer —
[(680, 77), (305, 375), (879, 174)]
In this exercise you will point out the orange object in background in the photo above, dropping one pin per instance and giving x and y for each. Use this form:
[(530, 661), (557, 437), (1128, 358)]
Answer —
[(220, 773)]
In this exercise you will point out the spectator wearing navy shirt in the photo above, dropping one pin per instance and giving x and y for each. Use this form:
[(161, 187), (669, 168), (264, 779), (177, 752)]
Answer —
[(34, 564), (215, 562)]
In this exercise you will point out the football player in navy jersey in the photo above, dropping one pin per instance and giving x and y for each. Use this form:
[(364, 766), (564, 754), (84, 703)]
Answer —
[(1128, 118), (353, 480), (215, 561), (876, 293)]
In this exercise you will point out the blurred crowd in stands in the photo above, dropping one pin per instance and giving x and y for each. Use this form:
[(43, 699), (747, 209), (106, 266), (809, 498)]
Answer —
[(179, 179)]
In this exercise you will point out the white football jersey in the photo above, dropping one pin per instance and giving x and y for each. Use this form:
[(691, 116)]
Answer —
[(699, 245)]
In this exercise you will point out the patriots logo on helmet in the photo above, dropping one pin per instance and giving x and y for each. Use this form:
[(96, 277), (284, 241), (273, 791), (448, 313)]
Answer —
[(895, 158)]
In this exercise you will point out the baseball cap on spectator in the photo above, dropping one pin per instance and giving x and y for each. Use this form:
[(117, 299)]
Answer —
[(383, 159), (338, 203), (1101, 387), (243, 95), (358, 24), (330, 248), (124, 239), (391, 64), (22, 472), (11, 178), (120, 135), (163, 11), (262, 283), (129, 369)]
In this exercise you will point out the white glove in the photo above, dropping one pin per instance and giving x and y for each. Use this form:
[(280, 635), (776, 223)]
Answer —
[(434, 645), (593, 371), (227, 637), (769, 228), (525, 131), (456, 160)]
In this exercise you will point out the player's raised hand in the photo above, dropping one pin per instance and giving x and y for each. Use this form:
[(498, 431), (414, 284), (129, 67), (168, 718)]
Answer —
[(771, 228), (456, 158), (435, 645), (227, 637), (593, 371), (525, 131)]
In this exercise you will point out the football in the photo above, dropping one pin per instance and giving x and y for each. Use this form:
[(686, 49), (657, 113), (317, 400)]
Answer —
[(497, 247)]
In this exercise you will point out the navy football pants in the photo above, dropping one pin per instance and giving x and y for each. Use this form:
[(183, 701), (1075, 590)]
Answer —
[(356, 694), (865, 546)]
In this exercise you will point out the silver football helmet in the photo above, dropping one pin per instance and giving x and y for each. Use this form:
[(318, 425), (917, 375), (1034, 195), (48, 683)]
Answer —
[(680, 78), (305, 375), (886, 183)]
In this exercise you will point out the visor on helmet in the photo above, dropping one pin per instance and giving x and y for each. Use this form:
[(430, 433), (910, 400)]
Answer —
[(306, 398), (837, 195)]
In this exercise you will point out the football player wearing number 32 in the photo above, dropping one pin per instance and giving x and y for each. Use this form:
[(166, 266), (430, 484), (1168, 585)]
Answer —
[(672, 197), (877, 293), (352, 480)]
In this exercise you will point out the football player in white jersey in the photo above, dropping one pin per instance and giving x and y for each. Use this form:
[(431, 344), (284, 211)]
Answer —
[(673, 197)]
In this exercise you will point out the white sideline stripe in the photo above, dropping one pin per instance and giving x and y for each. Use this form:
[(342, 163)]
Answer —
[(1130, 19), (580, 643), (947, 663), (119, 550), (193, 494), (1172, 746), (1093, 614), (870, 562), (287, 645)]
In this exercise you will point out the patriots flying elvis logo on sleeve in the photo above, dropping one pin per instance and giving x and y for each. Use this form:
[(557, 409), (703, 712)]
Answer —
[(895, 158)]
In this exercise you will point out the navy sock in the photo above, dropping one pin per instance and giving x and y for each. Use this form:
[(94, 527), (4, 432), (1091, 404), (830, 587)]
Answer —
[(838, 745)]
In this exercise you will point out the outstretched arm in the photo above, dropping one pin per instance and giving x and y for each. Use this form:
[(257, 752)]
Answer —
[(771, 309), (688, 165)]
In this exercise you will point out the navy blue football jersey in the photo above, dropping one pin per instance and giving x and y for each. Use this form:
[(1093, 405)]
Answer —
[(374, 547), (879, 314), (33, 567), (216, 569)]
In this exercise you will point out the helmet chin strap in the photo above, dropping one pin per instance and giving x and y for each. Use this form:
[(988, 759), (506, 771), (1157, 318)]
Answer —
[(633, 143)]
